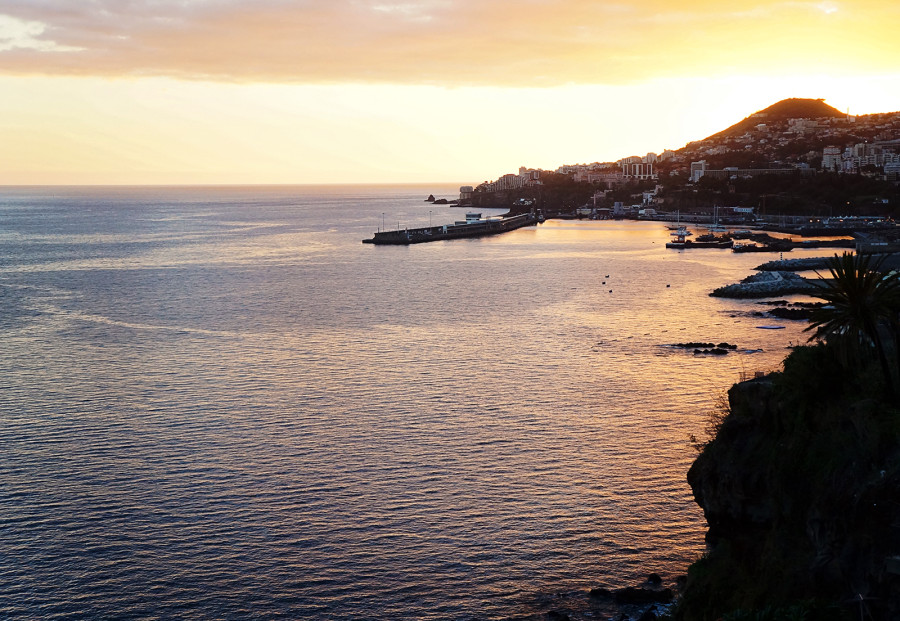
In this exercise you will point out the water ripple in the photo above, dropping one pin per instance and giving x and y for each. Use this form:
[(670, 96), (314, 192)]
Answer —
[(220, 404)]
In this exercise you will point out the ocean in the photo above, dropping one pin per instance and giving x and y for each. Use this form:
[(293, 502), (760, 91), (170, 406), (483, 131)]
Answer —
[(217, 403)]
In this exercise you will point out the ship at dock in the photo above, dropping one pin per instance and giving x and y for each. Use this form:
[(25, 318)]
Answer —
[(710, 240), (473, 226)]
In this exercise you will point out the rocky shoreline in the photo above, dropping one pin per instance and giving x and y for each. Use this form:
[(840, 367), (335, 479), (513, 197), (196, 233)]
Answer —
[(767, 284), (795, 265), (798, 486), (649, 601)]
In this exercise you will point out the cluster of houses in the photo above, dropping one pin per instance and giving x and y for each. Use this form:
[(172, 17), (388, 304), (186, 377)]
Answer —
[(878, 155)]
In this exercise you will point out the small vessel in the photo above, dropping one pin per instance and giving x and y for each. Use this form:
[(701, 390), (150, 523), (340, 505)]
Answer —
[(715, 227), (681, 241), (680, 235), (677, 225)]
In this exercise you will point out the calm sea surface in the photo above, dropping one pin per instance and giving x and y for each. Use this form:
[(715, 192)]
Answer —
[(216, 403)]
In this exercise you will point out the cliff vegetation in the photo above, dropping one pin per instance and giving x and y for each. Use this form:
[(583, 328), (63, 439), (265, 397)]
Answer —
[(800, 480)]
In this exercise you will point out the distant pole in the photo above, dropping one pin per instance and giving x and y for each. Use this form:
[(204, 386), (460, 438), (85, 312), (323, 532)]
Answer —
[(382, 220)]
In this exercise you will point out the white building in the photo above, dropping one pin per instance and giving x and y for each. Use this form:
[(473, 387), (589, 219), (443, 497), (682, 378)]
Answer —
[(831, 158), (638, 170), (698, 169)]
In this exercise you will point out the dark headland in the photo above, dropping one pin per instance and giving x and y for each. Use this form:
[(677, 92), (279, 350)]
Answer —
[(799, 477)]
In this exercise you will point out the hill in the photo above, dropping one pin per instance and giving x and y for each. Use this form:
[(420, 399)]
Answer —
[(795, 157), (782, 111)]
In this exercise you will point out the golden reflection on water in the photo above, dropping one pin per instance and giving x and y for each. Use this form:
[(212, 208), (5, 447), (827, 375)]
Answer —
[(472, 421)]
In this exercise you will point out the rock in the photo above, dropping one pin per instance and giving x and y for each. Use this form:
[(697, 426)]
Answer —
[(791, 313), (767, 284), (601, 592), (637, 595), (799, 490), (557, 616), (649, 615), (693, 345), (715, 351), (809, 263), (654, 579)]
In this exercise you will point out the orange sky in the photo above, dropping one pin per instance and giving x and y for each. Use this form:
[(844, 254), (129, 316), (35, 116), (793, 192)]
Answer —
[(307, 91)]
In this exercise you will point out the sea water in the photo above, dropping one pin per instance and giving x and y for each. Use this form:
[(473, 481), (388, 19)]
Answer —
[(218, 403)]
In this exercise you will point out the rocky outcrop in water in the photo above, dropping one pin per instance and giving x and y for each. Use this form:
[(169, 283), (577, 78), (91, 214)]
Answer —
[(706, 348), (765, 285)]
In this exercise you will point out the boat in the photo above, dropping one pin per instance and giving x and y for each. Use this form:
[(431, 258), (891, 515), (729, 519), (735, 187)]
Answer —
[(678, 224), (681, 241), (472, 226), (715, 227)]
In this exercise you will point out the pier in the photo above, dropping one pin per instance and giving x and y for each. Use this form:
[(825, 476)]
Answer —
[(472, 227)]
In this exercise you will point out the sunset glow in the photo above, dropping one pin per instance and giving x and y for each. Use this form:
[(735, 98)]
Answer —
[(432, 90)]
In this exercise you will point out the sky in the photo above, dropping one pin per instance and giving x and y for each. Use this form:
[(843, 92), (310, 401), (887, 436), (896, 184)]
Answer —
[(416, 91)]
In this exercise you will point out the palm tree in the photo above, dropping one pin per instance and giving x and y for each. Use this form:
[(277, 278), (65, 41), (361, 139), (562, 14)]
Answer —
[(860, 300)]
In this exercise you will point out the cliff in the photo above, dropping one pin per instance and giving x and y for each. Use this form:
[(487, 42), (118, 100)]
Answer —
[(801, 491)]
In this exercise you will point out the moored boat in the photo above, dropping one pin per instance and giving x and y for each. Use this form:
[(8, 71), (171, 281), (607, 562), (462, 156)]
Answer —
[(681, 241)]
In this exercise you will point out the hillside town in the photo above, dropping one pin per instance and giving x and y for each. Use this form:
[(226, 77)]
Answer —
[(797, 159)]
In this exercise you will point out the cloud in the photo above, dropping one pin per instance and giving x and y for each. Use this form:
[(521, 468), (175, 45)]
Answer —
[(444, 42), (22, 34)]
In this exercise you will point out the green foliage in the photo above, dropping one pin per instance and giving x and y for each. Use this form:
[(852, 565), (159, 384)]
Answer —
[(858, 298), (715, 418), (861, 303), (812, 374)]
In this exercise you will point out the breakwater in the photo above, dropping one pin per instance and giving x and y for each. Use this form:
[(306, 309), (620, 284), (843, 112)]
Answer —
[(795, 265), (767, 284), (470, 228)]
